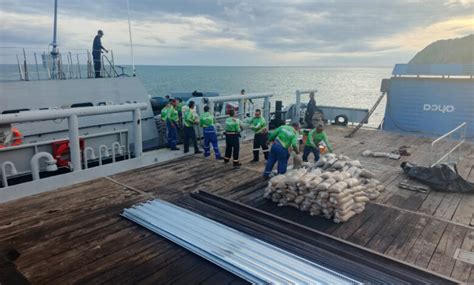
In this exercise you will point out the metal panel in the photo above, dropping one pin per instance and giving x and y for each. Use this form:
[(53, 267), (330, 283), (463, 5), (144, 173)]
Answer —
[(429, 106), (434, 69), (239, 253)]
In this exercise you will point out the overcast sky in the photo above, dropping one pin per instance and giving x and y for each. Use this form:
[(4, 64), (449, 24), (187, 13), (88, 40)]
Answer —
[(221, 32)]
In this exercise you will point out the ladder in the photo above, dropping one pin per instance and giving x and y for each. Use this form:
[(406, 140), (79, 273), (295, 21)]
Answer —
[(366, 118)]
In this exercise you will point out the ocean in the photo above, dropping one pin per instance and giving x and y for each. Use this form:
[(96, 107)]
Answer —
[(357, 87), (337, 86)]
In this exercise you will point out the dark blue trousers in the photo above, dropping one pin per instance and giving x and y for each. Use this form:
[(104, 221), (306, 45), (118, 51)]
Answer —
[(277, 154), (172, 134), (190, 134), (210, 137), (308, 150)]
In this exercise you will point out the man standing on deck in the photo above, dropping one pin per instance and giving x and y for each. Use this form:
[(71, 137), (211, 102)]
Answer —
[(310, 110), (285, 139), (190, 119), (97, 48), (247, 102), (208, 122), (315, 138), (172, 125), (259, 126)]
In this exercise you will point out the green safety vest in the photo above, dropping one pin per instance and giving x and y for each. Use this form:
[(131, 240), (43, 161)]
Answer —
[(189, 118), (164, 112), (314, 138), (207, 120), (172, 115), (232, 125), (286, 135), (258, 124)]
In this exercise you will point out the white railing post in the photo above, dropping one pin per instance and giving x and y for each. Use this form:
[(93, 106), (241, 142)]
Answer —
[(241, 109), (296, 116), (266, 109), (74, 145), (137, 125)]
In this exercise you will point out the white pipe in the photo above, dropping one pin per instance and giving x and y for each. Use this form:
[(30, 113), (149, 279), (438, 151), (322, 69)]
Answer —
[(137, 126), (296, 115), (88, 150), (114, 146), (34, 163), (13, 171), (238, 97), (41, 115), (74, 144), (105, 149)]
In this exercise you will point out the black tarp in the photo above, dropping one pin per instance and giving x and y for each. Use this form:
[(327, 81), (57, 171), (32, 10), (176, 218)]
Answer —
[(440, 177)]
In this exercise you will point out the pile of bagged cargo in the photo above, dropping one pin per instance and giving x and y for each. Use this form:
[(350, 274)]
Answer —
[(336, 187)]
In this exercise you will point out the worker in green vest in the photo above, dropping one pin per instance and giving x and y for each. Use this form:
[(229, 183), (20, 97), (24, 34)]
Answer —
[(208, 122), (259, 126), (190, 119), (316, 137), (172, 125), (233, 126), (165, 109), (285, 139)]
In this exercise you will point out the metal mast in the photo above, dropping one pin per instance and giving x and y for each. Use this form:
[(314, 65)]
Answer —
[(130, 35), (54, 51)]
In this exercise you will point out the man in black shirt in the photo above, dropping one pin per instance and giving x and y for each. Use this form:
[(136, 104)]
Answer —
[(96, 51), (310, 110)]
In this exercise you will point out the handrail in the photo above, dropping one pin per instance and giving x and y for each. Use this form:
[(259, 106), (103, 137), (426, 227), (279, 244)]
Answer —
[(462, 139), (73, 124), (241, 98), (43, 115)]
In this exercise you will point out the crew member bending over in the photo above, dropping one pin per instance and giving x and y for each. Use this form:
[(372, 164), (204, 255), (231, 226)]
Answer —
[(285, 138), (207, 122), (233, 126), (316, 137), (259, 126)]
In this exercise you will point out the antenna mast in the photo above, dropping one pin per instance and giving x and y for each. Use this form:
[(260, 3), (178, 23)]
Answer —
[(54, 51), (130, 35)]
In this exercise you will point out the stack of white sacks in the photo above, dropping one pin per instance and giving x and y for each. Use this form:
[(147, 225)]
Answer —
[(335, 187)]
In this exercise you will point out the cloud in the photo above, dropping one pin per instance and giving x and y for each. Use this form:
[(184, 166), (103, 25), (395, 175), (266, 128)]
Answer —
[(223, 32)]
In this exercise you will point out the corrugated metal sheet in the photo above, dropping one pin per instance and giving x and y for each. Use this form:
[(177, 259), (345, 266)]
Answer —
[(239, 253), (429, 106)]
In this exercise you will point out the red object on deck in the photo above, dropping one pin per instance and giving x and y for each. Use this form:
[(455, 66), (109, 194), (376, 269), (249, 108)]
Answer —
[(61, 152)]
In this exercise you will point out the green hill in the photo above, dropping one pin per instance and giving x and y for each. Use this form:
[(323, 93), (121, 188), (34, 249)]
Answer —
[(452, 51)]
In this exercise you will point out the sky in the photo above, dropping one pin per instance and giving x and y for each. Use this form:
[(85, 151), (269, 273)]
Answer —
[(239, 33)]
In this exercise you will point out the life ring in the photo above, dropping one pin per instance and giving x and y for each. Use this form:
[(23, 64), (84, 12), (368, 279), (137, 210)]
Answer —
[(61, 154), (17, 137), (341, 120)]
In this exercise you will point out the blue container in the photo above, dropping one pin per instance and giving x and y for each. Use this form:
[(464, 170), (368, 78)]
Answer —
[(432, 102)]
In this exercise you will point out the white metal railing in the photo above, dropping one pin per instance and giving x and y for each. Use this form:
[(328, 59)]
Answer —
[(73, 123), (241, 99), (462, 138)]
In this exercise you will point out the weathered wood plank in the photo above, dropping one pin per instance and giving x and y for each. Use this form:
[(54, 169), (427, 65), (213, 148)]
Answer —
[(461, 270), (422, 250), (403, 243), (442, 260), (387, 234)]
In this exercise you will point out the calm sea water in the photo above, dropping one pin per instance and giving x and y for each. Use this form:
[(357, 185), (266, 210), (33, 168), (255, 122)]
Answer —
[(337, 86)]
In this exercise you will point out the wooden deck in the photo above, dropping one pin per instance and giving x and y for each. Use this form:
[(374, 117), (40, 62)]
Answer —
[(75, 235)]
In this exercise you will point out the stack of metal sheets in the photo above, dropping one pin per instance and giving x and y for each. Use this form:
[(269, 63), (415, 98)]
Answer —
[(247, 257)]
